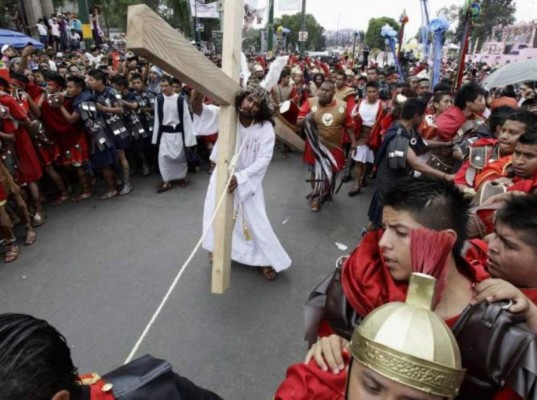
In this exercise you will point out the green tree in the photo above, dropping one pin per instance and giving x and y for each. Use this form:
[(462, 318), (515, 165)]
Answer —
[(315, 31), (493, 12), (372, 36), (180, 16), (175, 12)]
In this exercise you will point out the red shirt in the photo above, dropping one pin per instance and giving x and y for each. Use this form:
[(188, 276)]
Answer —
[(15, 111), (448, 123)]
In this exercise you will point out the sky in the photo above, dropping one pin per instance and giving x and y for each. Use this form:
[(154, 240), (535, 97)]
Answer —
[(355, 14)]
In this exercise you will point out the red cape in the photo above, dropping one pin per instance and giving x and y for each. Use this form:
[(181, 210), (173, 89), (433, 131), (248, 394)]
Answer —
[(448, 123), (524, 185), (366, 281), (66, 135)]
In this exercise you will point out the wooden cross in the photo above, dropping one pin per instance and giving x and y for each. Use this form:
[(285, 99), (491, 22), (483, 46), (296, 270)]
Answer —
[(149, 36)]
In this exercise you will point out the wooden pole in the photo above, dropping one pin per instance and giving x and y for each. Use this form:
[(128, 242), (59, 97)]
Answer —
[(149, 36), (227, 139)]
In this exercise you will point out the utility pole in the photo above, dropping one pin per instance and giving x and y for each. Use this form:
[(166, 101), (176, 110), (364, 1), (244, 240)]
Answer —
[(196, 32), (83, 15), (355, 34), (303, 35), (270, 26)]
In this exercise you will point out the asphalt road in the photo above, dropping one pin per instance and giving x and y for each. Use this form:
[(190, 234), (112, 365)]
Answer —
[(99, 269)]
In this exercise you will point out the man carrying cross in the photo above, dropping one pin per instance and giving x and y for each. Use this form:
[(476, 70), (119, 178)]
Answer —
[(254, 242)]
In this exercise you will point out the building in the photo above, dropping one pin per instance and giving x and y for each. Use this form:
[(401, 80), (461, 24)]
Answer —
[(509, 44)]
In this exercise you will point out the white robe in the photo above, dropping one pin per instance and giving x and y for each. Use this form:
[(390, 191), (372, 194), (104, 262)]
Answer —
[(264, 249), (171, 154)]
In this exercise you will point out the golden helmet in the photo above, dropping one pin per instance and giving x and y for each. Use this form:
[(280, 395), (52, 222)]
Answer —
[(410, 344)]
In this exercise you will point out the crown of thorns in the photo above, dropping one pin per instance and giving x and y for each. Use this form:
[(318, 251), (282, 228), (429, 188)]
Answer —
[(261, 95)]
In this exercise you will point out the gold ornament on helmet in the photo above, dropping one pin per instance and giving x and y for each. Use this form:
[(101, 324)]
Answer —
[(410, 344)]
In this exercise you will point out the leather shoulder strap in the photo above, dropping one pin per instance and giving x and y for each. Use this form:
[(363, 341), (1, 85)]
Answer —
[(144, 378)]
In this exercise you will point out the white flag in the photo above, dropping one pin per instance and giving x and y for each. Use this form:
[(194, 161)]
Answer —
[(289, 5)]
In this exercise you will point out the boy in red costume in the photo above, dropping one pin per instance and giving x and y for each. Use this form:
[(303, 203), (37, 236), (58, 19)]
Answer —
[(378, 270), (69, 136), (28, 168), (500, 165), (469, 102)]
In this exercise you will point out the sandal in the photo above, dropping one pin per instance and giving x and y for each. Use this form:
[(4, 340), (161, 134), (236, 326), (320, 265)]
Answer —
[(183, 182), (82, 196), (315, 205), (31, 237), (211, 168), (60, 200), (355, 191), (164, 187), (37, 220), (269, 273), (12, 253), (109, 195)]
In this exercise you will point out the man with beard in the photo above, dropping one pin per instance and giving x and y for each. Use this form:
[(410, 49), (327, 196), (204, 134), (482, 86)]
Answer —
[(325, 119), (315, 83), (254, 242)]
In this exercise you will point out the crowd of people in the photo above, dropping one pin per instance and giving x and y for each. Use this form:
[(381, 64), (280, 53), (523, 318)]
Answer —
[(71, 118), (454, 172)]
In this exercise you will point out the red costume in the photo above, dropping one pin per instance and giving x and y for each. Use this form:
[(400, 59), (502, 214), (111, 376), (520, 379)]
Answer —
[(448, 123), (332, 120), (524, 185), (467, 174), (70, 138), (477, 254), (367, 284), (375, 138), (493, 170), (28, 167)]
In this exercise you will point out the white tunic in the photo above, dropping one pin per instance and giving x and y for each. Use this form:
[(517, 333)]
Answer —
[(264, 249), (368, 113), (171, 154)]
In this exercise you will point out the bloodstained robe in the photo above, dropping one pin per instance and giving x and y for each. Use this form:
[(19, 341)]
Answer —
[(257, 144)]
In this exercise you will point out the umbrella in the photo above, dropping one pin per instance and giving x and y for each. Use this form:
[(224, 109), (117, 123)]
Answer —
[(17, 40), (513, 73)]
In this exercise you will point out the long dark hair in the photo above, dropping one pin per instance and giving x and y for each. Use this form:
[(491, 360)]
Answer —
[(266, 111)]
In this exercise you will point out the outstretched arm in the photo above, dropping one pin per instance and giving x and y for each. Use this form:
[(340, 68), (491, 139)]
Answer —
[(196, 100)]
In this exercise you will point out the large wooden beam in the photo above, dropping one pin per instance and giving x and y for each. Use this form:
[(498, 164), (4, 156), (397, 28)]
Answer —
[(149, 36), (227, 139)]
